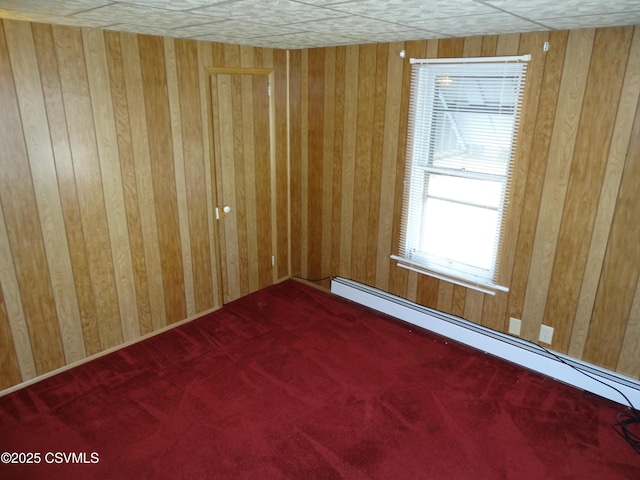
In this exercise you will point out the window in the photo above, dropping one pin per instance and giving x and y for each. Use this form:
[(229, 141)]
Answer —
[(462, 135)]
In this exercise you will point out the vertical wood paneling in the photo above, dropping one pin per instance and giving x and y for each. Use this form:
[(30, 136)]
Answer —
[(205, 58), (111, 178), (377, 142), (398, 276), (473, 305), (283, 234), (427, 290), (162, 169), (572, 103), (489, 44), (107, 227), (144, 182), (472, 47), (18, 202), (9, 369), (304, 163), (586, 176), (493, 307), (628, 361), (19, 334), (111, 183), (621, 267), (389, 165), (179, 169), (48, 66), (86, 169), (249, 175), (537, 164), (608, 196), (315, 168), (328, 145), (565, 130), (364, 128), (338, 142), (261, 166), (43, 171), (451, 47), (127, 166), (348, 157), (196, 188), (295, 148)]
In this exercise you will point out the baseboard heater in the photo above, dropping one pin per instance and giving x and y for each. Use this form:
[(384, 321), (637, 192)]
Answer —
[(529, 355)]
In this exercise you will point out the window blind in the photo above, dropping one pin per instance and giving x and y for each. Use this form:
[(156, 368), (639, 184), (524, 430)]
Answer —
[(463, 123)]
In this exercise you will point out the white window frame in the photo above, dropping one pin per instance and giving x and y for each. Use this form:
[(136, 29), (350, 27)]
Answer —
[(430, 118)]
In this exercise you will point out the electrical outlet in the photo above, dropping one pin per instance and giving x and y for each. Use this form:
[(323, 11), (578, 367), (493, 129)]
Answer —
[(514, 326), (546, 334)]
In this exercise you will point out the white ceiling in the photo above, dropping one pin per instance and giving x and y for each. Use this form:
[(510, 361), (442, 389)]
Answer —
[(291, 24)]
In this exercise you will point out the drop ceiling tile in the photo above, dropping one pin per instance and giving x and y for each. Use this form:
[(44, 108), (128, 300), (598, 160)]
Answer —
[(55, 20), (487, 24), (233, 29), (593, 21), (139, 29), (177, 5), (309, 39), (222, 39), (402, 11), (404, 35), (351, 24), (141, 15), (275, 12), (329, 22), (541, 9), (57, 8)]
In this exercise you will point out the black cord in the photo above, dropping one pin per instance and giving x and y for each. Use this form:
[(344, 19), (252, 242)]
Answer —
[(623, 420), (622, 428)]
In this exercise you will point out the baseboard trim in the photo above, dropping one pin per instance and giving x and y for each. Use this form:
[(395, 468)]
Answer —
[(44, 376), (513, 349)]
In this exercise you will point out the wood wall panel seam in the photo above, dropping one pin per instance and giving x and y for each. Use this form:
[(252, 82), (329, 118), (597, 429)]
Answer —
[(22, 226), (537, 164), (43, 171), (71, 62), (158, 118), (144, 182), (561, 150), (608, 196), (205, 59), (597, 121), (124, 141), (304, 164), (9, 368), (179, 172), (13, 304), (111, 179), (389, 164)]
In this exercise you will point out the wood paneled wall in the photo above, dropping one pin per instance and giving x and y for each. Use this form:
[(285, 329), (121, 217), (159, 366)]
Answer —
[(572, 250), (107, 228)]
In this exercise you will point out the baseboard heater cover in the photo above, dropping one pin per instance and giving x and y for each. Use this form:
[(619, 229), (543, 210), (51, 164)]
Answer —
[(513, 349)]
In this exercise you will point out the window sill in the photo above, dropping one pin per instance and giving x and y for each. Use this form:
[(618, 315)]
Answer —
[(488, 288)]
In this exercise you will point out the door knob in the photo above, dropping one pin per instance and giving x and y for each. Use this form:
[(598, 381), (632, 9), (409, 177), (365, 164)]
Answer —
[(226, 209)]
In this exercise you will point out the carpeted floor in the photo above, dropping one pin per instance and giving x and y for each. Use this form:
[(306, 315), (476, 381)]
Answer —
[(293, 383)]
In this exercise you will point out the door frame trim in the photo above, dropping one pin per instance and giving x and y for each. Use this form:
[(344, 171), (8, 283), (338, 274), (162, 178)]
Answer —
[(270, 73)]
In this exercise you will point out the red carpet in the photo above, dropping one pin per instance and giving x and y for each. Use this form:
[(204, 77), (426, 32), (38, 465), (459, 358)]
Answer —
[(292, 383)]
